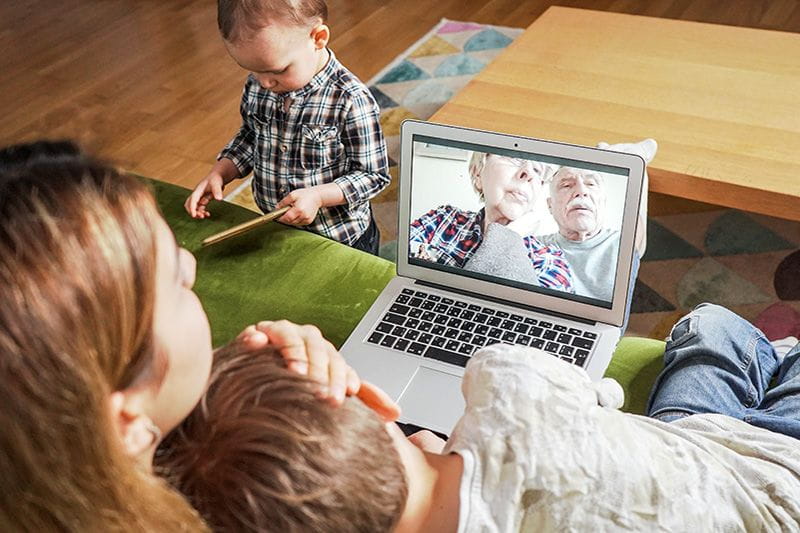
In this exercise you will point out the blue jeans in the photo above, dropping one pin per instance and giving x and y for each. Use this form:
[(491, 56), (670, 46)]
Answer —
[(717, 362)]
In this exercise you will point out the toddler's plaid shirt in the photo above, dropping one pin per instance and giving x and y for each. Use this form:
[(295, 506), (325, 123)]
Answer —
[(327, 131), (450, 237)]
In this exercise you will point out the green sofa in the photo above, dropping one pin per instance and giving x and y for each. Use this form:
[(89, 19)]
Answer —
[(276, 272)]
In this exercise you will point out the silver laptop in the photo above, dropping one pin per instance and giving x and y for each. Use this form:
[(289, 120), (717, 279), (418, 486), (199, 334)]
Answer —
[(450, 298)]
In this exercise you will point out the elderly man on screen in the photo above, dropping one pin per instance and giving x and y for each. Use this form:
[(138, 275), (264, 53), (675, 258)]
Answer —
[(578, 204)]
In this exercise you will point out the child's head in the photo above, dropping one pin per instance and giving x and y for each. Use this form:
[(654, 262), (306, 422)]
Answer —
[(263, 452), (282, 42)]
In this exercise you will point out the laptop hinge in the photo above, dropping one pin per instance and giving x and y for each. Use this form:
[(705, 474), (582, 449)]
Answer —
[(506, 302)]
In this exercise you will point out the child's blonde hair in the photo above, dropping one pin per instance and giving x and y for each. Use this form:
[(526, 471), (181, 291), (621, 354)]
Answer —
[(239, 18), (263, 452)]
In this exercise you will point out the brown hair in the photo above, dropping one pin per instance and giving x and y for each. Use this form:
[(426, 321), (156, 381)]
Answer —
[(263, 452), (77, 286), (237, 18)]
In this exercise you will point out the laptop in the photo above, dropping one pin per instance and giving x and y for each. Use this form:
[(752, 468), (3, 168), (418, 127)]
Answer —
[(417, 337)]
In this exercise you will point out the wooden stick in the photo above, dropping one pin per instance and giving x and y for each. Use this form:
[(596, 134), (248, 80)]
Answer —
[(246, 226)]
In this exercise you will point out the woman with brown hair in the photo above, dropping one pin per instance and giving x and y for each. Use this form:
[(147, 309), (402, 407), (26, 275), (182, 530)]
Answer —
[(103, 346)]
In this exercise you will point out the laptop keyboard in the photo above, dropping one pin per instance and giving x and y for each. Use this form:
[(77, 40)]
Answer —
[(450, 330)]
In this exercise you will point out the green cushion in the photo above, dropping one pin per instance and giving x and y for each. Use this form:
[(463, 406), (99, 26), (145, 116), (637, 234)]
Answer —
[(276, 272)]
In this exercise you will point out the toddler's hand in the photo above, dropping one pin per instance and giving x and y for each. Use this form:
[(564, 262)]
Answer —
[(197, 203), (305, 204)]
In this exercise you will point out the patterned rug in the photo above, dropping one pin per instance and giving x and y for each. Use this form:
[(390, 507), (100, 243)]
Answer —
[(696, 253)]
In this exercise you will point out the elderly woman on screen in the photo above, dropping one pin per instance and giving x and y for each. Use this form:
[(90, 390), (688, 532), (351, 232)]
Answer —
[(510, 189)]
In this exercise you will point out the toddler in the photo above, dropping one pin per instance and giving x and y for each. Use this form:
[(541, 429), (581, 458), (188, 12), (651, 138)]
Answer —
[(310, 129)]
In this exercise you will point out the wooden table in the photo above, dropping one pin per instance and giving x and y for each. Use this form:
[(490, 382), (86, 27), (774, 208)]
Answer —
[(722, 102)]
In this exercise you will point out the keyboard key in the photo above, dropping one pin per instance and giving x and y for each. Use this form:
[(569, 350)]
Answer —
[(580, 342), (494, 321), (420, 294), (441, 319), (438, 341), (473, 307), (446, 356), (589, 335), (412, 335), (453, 311), (452, 345), (566, 350), (580, 356), (531, 321), (425, 326), (438, 329), (564, 338), (487, 311), (481, 318), (428, 316), (521, 328), (518, 318), (467, 315), (402, 299), (551, 347), (495, 333), (416, 348), (425, 338), (466, 349), (401, 344), (451, 333), (524, 340), (415, 302), (537, 343), (434, 297), (559, 327), (375, 338), (384, 327), (393, 318), (460, 304), (501, 314), (468, 326), (441, 308), (412, 323), (574, 331), (479, 341), (399, 331), (544, 324), (415, 313), (508, 325), (536, 331), (454, 322), (549, 335), (509, 336), (388, 341), (465, 336), (447, 301), (399, 309), (407, 291), (428, 305)]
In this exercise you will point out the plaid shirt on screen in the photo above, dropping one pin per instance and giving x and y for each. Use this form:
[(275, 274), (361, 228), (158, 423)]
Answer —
[(450, 237), (325, 132)]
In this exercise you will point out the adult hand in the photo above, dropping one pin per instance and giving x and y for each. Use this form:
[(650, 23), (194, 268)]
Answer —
[(210, 187), (304, 206), (307, 352)]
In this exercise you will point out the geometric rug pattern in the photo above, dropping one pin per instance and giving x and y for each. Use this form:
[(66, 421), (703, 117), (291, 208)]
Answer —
[(697, 253)]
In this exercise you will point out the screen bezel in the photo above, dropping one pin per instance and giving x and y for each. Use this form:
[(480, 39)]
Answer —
[(548, 299)]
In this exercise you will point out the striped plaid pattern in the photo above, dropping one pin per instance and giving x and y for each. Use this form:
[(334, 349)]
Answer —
[(327, 131), (449, 237)]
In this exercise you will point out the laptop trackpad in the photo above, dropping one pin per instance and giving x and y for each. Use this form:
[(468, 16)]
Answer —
[(433, 400)]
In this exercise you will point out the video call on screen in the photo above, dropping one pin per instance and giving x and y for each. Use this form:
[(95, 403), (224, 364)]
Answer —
[(566, 213)]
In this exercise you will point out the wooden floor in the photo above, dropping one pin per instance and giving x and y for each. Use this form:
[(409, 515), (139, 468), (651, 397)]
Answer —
[(147, 83)]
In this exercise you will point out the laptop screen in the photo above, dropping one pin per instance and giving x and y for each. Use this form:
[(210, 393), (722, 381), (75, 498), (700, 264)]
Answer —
[(530, 221)]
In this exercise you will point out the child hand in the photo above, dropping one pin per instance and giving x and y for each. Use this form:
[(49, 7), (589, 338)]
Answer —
[(305, 204), (197, 203)]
